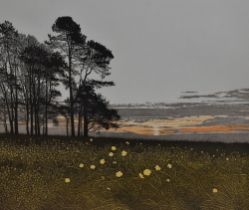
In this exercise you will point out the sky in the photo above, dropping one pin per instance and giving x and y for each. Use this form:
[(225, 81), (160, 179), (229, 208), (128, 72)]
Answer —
[(161, 47)]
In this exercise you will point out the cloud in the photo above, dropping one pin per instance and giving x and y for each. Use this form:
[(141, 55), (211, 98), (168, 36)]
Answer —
[(198, 96), (242, 94)]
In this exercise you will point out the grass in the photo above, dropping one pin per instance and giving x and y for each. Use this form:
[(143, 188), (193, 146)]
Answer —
[(55, 173)]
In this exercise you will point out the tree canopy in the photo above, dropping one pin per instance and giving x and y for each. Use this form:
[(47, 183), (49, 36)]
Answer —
[(32, 72)]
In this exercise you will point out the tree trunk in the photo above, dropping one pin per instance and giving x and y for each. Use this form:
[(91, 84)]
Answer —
[(12, 112), (31, 120), (35, 116), (79, 120), (11, 125), (4, 120), (67, 122), (31, 104), (16, 105), (46, 121), (37, 122), (46, 109), (85, 126), (27, 119), (16, 118), (71, 93)]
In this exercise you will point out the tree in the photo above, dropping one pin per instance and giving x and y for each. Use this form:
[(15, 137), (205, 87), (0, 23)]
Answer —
[(95, 59), (25, 78), (68, 39), (30, 73), (95, 109), (54, 71), (10, 71), (43, 69)]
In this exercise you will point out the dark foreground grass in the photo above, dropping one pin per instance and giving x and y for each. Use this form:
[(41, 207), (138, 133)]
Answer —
[(207, 176)]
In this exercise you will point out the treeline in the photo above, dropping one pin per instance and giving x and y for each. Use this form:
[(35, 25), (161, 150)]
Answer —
[(33, 73)]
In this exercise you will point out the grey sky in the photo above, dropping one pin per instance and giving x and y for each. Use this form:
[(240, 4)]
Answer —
[(161, 47)]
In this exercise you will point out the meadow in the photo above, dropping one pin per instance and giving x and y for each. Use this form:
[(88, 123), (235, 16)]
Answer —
[(105, 174)]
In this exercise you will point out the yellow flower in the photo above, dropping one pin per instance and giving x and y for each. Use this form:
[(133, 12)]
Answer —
[(169, 165), (81, 165), (67, 180), (168, 180), (215, 190), (113, 148), (111, 154), (157, 168), (102, 161), (93, 167), (124, 153), (119, 174), (141, 175), (147, 172)]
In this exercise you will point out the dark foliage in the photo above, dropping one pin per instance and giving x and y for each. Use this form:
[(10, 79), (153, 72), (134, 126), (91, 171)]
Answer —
[(31, 72)]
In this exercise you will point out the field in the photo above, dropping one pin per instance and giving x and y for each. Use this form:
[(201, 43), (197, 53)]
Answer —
[(60, 173)]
